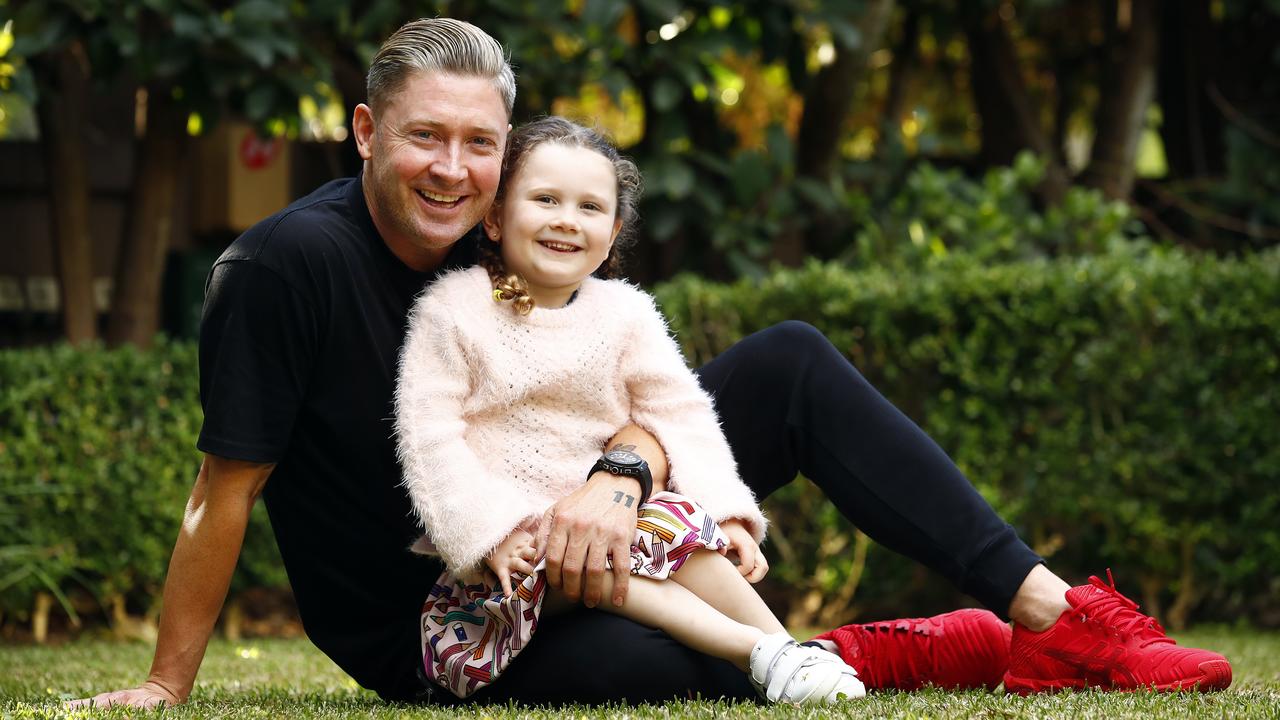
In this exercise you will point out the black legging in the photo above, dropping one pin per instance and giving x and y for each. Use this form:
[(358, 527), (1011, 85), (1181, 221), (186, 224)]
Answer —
[(789, 403)]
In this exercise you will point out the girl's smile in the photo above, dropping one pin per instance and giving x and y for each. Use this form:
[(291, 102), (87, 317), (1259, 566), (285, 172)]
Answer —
[(557, 221)]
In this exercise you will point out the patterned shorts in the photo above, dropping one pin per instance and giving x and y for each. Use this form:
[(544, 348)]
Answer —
[(471, 633)]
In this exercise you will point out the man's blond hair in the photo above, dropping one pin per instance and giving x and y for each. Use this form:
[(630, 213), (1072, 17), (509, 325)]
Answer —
[(439, 45)]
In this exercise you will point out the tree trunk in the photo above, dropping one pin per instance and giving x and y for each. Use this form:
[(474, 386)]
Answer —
[(233, 619), (1010, 122), (135, 306), (63, 87), (1128, 87), (1192, 126), (900, 77), (830, 96), (839, 609), (40, 617), (350, 80), (1152, 586), (1189, 591), (827, 102)]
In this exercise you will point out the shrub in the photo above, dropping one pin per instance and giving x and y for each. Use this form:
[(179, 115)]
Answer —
[(97, 459), (1118, 408), (938, 213)]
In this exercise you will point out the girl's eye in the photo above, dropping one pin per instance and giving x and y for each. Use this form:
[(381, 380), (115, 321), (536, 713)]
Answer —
[(545, 199), (590, 206)]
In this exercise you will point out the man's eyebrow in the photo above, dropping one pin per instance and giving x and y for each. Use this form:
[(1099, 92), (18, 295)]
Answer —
[(469, 130)]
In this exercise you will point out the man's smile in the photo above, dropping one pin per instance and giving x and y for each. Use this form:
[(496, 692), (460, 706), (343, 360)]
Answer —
[(441, 200)]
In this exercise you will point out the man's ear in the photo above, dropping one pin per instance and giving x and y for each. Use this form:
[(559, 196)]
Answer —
[(493, 223), (363, 128)]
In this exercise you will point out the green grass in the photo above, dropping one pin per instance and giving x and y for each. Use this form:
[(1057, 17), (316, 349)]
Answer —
[(290, 679)]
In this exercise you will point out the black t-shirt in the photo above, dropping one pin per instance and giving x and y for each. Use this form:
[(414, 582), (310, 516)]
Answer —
[(303, 320)]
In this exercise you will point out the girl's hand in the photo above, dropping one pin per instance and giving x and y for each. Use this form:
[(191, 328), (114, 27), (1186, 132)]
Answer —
[(751, 562), (513, 555)]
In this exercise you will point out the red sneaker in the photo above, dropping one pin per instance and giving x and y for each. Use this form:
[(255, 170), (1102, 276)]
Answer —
[(955, 650), (1104, 642)]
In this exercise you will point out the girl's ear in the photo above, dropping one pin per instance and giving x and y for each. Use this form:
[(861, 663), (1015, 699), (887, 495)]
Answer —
[(617, 228), (493, 223)]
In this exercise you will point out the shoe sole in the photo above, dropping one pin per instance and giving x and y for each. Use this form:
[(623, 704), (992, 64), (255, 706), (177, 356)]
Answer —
[(1214, 675)]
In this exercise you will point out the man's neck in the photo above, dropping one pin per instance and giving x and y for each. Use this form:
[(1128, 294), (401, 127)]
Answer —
[(416, 258)]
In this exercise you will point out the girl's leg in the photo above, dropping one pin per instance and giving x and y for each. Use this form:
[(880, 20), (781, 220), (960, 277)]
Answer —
[(779, 668), (711, 576), (690, 620)]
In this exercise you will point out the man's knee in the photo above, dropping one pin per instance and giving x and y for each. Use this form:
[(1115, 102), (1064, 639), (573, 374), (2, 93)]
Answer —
[(797, 333), (790, 347)]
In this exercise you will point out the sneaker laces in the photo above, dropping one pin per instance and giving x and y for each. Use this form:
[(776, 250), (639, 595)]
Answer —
[(1108, 607), (900, 667)]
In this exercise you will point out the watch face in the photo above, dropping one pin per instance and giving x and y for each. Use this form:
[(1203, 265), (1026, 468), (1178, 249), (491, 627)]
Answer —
[(622, 457)]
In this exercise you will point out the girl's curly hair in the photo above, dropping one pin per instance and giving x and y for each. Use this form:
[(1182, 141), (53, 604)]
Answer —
[(523, 141)]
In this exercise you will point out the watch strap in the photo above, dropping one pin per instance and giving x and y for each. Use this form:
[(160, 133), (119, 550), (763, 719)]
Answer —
[(639, 471)]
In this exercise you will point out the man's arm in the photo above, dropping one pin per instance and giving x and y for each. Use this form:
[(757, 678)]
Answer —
[(195, 587), (597, 521)]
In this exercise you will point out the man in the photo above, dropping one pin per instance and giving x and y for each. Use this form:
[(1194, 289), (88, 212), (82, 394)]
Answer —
[(303, 321)]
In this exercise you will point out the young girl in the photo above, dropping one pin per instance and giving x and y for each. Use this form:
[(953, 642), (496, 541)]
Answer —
[(513, 377)]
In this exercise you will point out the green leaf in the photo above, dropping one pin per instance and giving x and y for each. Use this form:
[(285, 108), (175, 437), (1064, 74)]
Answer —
[(259, 13), (665, 9), (750, 176), (818, 194), (845, 33), (663, 221), (677, 178), (666, 93), (36, 30), (190, 26), (258, 49), (602, 13), (260, 102), (57, 592)]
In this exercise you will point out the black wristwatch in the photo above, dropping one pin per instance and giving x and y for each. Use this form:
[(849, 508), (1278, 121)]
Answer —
[(629, 464)]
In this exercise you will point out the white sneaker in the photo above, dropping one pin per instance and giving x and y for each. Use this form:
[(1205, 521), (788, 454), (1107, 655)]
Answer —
[(783, 671)]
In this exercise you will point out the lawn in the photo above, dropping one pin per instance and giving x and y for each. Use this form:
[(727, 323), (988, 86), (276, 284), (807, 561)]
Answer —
[(290, 679)]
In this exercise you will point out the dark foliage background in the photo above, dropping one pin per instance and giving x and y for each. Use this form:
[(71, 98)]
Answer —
[(1046, 229)]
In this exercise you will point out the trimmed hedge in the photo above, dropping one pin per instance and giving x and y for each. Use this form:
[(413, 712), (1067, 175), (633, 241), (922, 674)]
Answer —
[(97, 458), (1120, 409)]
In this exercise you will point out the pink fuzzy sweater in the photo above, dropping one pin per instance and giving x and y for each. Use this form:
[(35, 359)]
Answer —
[(499, 415)]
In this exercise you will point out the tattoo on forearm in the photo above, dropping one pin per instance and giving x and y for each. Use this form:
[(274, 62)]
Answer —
[(618, 495), (622, 446)]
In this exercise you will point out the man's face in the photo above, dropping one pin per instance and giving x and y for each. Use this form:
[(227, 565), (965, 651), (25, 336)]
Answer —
[(433, 159)]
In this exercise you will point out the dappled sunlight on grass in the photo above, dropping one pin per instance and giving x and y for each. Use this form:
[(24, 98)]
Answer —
[(290, 678)]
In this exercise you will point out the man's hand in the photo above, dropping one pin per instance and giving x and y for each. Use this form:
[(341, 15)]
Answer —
[(751, 562), (577, 534), (148, 695), (199, 573)]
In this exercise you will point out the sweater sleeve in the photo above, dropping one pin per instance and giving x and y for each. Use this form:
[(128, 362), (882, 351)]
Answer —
[(667, 400), (465, 509)]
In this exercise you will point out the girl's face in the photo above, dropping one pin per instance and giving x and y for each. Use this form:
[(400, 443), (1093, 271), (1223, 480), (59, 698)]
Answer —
[(558, 220)]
